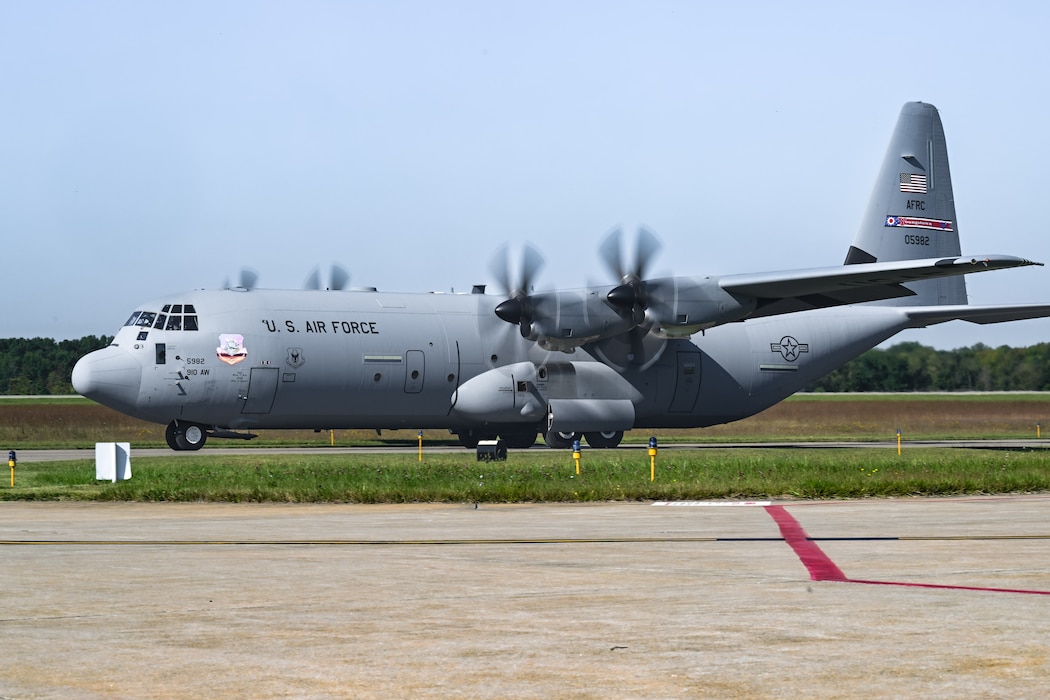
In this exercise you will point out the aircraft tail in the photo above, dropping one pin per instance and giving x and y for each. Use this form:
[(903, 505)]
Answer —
[(911, 213)]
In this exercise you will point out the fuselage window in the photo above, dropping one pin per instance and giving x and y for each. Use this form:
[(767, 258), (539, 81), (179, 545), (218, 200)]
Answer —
[(190, 323), (174, 323), (166, 308), (146, 319), (177, 309), (134, 317), (189, 309), (159, 325)]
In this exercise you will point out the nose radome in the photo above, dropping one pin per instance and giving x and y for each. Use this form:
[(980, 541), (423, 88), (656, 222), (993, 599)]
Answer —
[(110, 376)]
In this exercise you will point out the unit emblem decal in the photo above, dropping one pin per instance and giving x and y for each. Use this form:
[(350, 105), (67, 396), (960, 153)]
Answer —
[(295, 358), (231, 348), (789, 348)]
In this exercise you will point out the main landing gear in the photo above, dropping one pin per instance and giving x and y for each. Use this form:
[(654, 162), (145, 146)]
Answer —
[(597, 440)]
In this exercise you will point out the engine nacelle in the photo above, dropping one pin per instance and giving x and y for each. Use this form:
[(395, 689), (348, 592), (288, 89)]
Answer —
[(565, 320), (681, 306), (673, 307)]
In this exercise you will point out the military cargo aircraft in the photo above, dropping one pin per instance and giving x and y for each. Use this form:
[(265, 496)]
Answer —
[(640, 352)]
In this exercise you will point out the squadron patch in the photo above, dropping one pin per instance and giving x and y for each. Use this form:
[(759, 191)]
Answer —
[(231, 348)]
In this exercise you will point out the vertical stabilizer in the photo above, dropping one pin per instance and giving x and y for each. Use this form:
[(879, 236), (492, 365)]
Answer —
[(911, 214)]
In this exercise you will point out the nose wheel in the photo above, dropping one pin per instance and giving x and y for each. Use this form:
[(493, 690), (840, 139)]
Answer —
[(185, 436)]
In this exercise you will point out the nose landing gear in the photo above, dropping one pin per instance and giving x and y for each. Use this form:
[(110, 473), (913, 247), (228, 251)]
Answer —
[(185, 436)]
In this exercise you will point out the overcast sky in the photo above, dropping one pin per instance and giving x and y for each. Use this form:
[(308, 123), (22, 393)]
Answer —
[(149, 147)]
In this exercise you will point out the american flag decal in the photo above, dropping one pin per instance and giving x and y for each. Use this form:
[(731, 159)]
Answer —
[(913, 182)]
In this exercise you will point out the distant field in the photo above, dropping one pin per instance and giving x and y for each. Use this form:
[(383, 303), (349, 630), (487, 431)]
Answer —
[(73, 421)]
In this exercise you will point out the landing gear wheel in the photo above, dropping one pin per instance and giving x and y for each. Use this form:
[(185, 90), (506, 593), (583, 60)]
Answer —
[(519, 439), (185, 436), (605, 439), (560, 441), (170, 433), (193, 437), (469, 438)]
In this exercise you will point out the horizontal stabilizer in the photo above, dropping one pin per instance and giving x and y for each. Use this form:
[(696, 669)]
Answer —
[(799, 290), (922, 316)]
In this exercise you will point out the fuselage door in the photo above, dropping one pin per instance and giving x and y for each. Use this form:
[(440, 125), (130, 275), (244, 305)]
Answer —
[(414, 362), (687, 382), (262, 389)]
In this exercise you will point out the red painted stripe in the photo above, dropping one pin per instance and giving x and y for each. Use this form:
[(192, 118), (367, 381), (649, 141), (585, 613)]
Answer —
[(957, 588), (820, 567)]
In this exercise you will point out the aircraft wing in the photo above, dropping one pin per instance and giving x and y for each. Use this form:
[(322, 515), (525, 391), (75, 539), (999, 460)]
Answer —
[(923, 316), (800, 290)]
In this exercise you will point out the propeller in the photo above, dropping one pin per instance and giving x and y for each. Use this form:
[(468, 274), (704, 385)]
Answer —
[(248, 279), (632, 297), (633, 293), (338, 279), (517, 308)]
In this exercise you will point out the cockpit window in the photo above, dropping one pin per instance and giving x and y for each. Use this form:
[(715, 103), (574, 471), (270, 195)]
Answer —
[(170, 318)]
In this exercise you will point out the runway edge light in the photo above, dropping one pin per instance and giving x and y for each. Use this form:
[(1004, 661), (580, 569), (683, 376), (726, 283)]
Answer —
[(652, 458)]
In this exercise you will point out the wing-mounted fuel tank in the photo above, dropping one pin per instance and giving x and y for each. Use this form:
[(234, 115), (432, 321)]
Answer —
[(572, 396)]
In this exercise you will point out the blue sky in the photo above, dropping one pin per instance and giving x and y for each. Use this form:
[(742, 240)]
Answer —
[(150, 147)]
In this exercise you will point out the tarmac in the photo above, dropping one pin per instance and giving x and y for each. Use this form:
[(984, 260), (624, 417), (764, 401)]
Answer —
[(939, 598)]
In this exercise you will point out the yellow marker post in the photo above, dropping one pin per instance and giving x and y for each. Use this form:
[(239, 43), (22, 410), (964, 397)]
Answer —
[(331, 437), (1038, 430), (652, 458), (420, 445), (11, 460), (898, 441), (576, 454)]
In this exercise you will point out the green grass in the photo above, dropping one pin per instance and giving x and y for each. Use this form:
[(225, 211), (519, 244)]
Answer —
[(546, 476)]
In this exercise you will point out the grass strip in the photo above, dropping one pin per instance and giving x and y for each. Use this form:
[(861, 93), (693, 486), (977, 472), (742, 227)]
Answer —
[(545, 476)]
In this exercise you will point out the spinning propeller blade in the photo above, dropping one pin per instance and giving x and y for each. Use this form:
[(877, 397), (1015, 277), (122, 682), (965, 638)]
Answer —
[(633, 293), (517, 308), (338, 279)]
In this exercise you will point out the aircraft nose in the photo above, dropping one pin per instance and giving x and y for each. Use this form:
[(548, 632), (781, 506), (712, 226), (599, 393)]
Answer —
[(110, 376)]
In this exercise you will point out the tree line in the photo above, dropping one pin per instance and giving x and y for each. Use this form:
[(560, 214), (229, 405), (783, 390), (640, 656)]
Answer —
[(43, 366), (916, 367)]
